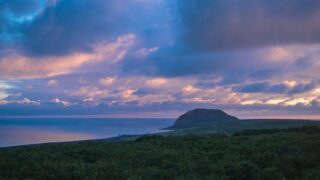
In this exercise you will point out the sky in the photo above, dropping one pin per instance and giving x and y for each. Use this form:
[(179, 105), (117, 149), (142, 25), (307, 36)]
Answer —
[(159, 58)]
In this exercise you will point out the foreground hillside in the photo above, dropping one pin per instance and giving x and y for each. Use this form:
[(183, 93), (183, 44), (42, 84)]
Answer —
[(256, 154)]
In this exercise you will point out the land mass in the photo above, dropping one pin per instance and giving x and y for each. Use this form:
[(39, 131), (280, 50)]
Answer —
[(202, 144), (203, 118), (218, 121), (252, 154)]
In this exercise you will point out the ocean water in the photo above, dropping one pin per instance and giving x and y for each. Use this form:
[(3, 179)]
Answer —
[(24, 131)]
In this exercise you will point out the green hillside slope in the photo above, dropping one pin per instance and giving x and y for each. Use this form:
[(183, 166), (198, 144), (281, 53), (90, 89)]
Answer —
[(255, 154)]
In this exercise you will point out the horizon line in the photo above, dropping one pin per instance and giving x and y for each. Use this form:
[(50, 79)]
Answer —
[(272, 117)]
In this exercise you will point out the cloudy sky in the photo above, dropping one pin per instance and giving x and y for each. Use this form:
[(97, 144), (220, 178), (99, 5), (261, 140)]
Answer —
[(158, 58)]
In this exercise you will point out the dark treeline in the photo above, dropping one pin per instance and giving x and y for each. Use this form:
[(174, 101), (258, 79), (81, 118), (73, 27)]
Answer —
[(256, 154)]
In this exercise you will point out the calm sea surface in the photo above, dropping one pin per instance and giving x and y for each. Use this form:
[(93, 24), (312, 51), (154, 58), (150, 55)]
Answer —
[(22, 131)]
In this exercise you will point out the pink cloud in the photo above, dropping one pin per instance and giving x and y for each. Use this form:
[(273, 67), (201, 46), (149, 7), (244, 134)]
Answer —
[(16, 66)]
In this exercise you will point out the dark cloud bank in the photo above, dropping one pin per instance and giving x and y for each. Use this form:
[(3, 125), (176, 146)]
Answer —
[(224, 25), (212, 37)]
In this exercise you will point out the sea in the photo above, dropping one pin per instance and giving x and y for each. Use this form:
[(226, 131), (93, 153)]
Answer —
[(26, 131)]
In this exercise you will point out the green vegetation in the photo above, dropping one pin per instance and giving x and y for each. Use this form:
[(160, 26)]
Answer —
[(252, 154)]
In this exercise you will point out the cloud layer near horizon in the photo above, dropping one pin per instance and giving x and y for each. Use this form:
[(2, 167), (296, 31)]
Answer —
[(251, 57)]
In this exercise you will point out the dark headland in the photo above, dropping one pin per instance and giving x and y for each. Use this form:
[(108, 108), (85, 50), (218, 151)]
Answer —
[(218, 121), (203, 118)]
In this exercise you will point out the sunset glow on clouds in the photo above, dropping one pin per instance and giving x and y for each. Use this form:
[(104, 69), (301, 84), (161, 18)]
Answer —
[(97, 57), (20, 67)]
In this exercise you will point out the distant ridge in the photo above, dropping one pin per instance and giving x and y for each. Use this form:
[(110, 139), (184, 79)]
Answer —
[(203, 118)]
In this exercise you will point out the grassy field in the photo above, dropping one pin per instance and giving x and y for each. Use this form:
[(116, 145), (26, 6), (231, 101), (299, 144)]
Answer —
[(253, 154)]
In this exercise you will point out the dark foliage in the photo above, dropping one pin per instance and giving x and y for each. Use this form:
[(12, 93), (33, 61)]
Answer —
[(260, 154)]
